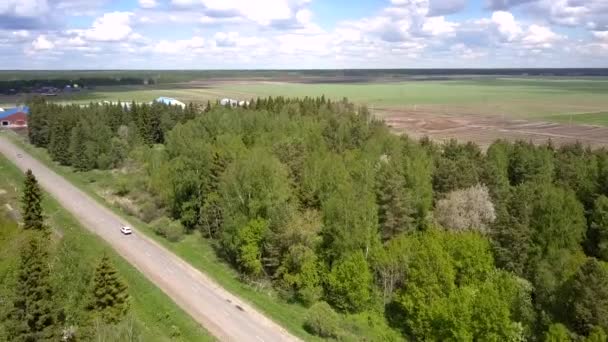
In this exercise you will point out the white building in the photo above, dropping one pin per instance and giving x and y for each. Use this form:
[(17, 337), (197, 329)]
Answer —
[(170, 101), (225, 102), (233, 102)]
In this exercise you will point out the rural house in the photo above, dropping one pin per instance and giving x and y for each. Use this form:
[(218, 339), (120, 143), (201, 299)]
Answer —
[(14, 117)]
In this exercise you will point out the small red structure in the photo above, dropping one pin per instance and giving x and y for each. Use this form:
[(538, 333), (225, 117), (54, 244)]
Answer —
[(14, 117)]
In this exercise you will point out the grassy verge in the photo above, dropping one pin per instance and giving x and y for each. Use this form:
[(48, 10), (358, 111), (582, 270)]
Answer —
[(194, 249), (155, 315)]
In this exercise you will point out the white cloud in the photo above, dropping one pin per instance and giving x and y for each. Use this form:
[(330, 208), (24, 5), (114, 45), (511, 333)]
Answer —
[(183, 46), (463, 52), (540, 36), (505, 4), (283, 33), (111, 27), (506, 24), (207, 20), (224, 39), (304, 16), (21, 34), (147, 3), (23, 8), (442, 7), (602, 35), (42, 43), (438, 26)]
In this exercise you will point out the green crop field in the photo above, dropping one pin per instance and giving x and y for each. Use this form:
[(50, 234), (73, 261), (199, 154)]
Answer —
[(575, 100)]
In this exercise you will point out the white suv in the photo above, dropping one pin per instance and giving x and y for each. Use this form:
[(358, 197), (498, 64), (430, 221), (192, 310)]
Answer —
[(125, 230)]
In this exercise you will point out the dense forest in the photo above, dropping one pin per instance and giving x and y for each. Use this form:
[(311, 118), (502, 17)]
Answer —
[(320, 201), (25, 86)]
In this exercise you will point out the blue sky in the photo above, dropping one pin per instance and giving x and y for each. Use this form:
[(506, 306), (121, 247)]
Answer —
[(293, 34)]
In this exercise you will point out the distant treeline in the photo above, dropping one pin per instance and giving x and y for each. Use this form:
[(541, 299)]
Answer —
[(19, 86), (172, 76)]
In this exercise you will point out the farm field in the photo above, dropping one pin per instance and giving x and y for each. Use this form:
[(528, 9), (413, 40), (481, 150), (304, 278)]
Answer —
[(542, 99), (480, 108), (599, 118)]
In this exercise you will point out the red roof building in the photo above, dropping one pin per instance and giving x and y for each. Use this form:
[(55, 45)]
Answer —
[(14, 117)]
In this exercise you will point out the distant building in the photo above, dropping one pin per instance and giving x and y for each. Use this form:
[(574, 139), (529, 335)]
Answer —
[(47, 91), (14, 117), (171, 102), (233, 103)]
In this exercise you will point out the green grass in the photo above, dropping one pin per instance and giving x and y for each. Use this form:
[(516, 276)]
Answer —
[(155, 313), (515, 97), (598, 119), (194, 249)]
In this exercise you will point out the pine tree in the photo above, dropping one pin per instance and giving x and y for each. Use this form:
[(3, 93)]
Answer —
[(78, 155), (31, 203), (189, 112), (395, 212), (38, 132), (109, 297), (32, 316), (60, 143), (217, 168)]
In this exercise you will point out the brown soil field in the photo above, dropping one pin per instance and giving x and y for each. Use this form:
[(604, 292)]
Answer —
[(486, 129)]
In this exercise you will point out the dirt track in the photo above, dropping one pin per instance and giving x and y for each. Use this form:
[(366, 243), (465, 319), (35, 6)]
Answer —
[(485, 129)]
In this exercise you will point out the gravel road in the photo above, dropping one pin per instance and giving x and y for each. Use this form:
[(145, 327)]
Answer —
[(224, 315)]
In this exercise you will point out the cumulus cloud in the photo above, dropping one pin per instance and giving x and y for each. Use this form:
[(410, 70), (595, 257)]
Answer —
[(42, 43), (284, 33), (601, 35), (194, 44), (443, 7), (540, 36), (147, 3), (505, 4), (110, 27), (506, 24), (438, 26), (24, 14), (23, 8), (263, 12)]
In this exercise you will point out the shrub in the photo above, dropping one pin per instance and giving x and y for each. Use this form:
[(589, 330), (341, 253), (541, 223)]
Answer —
[(148, 211), (322, 320), (175, 332), (104, 162), (467, 209), (122, 187), (170, 230)]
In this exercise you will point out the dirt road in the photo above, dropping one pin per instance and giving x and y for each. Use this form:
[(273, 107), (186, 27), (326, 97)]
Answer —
[(224, 315)]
